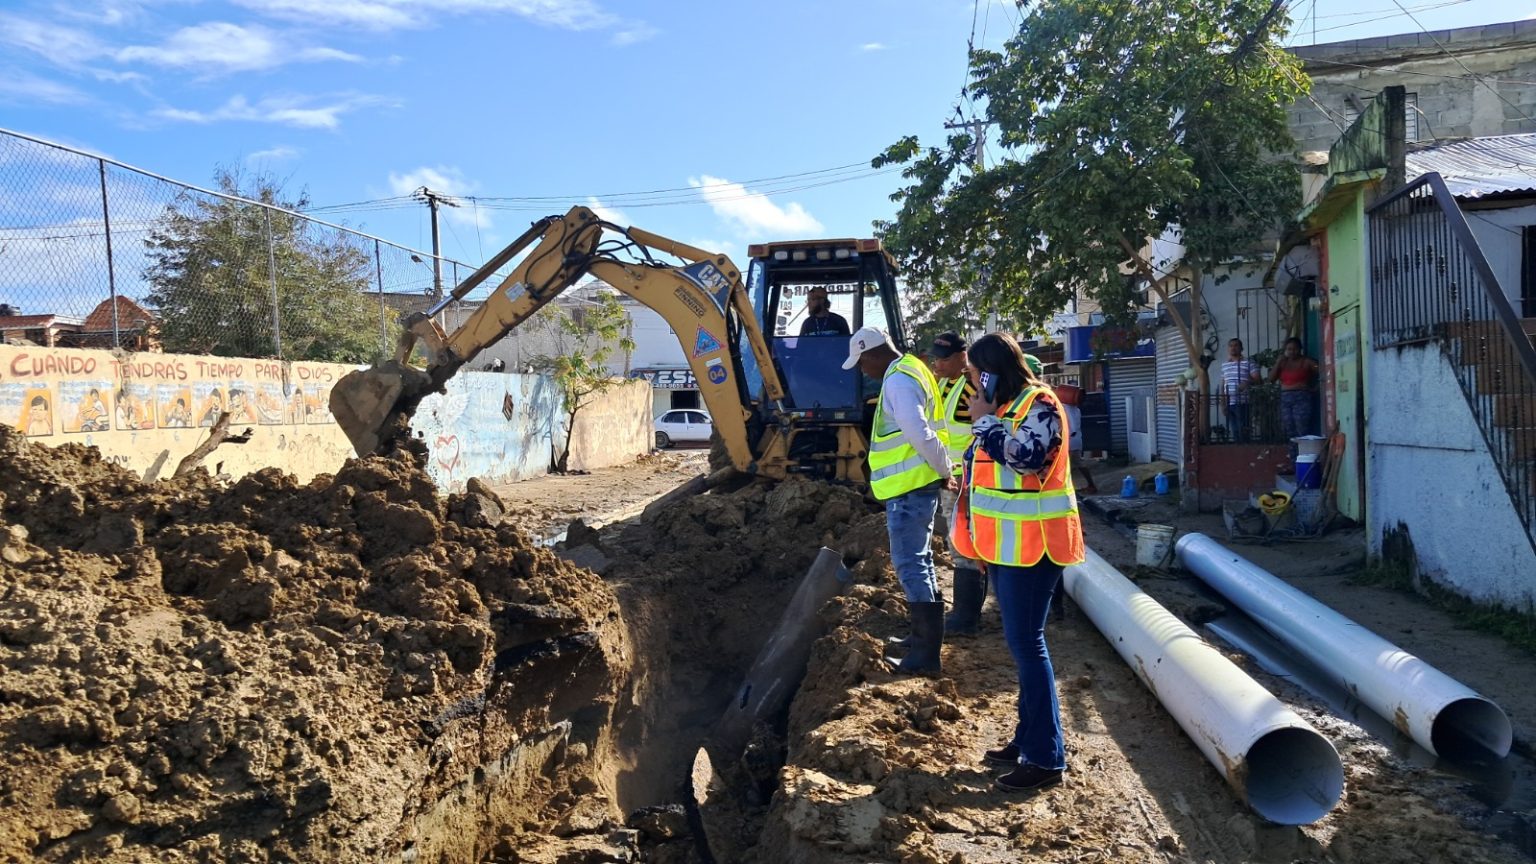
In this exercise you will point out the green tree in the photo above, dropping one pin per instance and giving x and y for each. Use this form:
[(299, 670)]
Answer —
[(211, 270), (1120, 121), (582, 338)]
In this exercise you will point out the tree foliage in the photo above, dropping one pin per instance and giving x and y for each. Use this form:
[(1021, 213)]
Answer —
[(583, 340), (1119, 121), (211, 274)]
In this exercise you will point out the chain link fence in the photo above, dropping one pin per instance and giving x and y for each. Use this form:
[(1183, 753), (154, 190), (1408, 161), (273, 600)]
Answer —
[(98, 254)]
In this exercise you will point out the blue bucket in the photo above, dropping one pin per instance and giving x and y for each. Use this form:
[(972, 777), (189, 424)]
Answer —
[(1309, 471)]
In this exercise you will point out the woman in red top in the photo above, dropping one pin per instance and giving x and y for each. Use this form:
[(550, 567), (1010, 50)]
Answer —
[(1296, 372)]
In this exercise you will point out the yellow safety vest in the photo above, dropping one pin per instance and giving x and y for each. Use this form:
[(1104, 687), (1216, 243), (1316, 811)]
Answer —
[(895, 466), (957, 435)]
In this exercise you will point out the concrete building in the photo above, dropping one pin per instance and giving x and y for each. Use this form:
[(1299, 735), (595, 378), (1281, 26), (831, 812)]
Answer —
[(1471, 81)]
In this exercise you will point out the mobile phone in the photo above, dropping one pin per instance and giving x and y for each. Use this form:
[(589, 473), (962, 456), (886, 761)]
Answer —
[(989, 387)]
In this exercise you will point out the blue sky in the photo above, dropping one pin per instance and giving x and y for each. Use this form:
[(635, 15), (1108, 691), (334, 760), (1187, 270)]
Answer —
[(573, 100)]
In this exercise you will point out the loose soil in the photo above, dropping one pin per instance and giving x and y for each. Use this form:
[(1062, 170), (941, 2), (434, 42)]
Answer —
[(272, 671), (357, 669)]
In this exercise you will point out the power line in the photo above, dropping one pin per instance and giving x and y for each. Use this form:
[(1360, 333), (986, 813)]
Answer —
[(1475, 76)]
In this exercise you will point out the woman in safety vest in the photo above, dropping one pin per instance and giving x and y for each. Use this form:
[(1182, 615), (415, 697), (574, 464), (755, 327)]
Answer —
[(1020, 516)]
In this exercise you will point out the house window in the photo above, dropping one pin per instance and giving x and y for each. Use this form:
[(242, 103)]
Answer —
[(1410, 114)]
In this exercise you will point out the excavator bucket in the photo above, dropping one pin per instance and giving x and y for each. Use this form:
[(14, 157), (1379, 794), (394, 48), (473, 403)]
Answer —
[(368, 402)]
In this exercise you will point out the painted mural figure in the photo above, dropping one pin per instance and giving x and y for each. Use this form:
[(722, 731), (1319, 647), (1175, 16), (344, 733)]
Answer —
[(39, 418), (212, 408), (93, 413), (180, 417)]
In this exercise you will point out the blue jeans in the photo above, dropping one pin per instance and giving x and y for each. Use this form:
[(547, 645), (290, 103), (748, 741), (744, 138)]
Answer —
[(909, 521), (1024, 597), (1237, 420)]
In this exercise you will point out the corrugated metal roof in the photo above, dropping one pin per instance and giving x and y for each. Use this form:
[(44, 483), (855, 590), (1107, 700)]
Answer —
[(1495, 165)]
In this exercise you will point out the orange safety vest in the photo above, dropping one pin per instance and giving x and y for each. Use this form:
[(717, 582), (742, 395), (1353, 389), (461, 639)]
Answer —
[(1017, 519)]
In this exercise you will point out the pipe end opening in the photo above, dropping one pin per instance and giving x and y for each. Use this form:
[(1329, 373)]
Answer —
[(1295, 776), (1471, 729)]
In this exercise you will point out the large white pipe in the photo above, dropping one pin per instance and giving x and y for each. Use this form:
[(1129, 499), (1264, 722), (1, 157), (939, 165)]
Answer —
[(1435, 710), (1286, 770)]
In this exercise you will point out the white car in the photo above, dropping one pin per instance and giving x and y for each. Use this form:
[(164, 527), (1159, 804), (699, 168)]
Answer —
[(683, 425)]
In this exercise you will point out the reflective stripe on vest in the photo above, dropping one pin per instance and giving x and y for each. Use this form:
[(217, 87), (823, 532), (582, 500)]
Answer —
[(895, 466), (957, 435), (1017, 520)]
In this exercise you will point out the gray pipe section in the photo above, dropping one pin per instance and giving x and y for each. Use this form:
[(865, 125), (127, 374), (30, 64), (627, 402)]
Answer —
[(1440, 713), (1283, 768), (776, 673)]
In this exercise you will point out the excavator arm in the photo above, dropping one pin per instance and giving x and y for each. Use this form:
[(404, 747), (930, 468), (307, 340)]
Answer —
[(703, 302)]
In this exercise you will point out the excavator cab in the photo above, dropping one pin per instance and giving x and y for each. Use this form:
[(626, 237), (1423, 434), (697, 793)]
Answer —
[(790, 282)]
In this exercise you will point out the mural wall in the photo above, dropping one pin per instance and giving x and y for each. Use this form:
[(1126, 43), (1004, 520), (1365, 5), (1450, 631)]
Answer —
[(490, 425), (146, 411)]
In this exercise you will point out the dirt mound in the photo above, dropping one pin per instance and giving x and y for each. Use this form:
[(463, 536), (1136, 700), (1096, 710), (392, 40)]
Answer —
[(348, 670)]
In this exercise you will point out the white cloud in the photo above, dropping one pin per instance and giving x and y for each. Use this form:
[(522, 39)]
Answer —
[(353, 13), (273, 154), (218, 46), (753, 214), (634, 32), (63, 45), (444, 180), (608, 214), (873, 46), (301, 111), (27, 88), (579, 15)]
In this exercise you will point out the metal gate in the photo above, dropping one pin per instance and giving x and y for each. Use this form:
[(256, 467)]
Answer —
[(1125, 378), (1172, 360)]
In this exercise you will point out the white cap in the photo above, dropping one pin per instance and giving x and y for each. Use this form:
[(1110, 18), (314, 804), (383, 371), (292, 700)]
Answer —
[(865, 339)]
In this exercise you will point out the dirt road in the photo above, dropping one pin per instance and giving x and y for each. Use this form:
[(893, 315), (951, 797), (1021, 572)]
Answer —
[(884, 769), (544, 505)]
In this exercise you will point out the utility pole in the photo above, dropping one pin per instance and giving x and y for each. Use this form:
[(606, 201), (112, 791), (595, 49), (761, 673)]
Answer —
[(978, 129), (433, 199)]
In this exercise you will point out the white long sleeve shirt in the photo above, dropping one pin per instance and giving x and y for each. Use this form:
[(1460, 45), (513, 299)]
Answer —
[(904, 402)]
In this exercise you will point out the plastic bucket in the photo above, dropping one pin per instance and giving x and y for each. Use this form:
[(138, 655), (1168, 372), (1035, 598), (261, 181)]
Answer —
[(1309, 444), (1309, 471), (1154, 545)]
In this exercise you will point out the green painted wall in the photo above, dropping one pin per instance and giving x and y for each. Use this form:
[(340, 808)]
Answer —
[(1346, 303)]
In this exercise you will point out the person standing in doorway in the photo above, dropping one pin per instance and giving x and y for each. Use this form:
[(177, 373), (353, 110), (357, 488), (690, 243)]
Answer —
[(956, 389), (1295, 372), (822, 321), (908, 465), (1022, 520), (1237, 375)]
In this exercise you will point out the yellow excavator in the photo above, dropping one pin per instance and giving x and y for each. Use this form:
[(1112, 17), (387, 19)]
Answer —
[(819, 426)]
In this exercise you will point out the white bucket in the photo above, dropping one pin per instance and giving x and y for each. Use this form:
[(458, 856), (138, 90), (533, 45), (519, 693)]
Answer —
[(1154, 545), (1310, 445)]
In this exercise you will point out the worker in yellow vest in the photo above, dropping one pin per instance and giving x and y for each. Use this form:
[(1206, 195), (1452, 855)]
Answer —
[(908, 465), (955, 391), (1020, 516)]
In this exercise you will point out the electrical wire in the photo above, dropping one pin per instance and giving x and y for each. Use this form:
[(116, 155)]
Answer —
[(1464, 68)]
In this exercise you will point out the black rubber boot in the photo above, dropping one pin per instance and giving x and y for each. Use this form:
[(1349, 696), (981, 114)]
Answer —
[(927, 638), (970, 593)]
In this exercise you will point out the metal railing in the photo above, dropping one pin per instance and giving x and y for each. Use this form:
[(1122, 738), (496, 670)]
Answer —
[(96, 253), (1257, 420), (1431, 284)]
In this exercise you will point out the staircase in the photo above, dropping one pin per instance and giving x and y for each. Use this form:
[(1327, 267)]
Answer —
[(1431, 284), (1502, 395)]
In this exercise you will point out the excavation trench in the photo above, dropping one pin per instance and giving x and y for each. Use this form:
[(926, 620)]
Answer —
[(359, 669)]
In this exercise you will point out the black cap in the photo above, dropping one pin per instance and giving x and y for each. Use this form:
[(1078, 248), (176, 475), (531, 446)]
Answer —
[(948, 344)]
